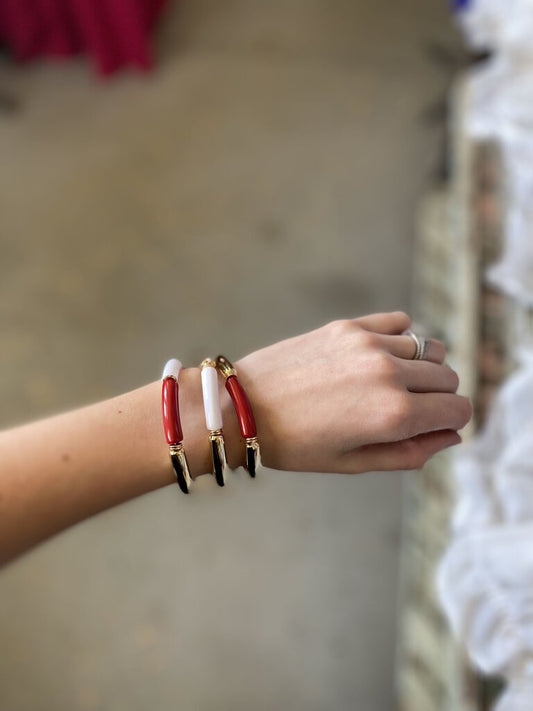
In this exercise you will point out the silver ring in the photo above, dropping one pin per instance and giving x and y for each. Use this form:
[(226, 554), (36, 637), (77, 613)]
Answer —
[(421, 345), (424, 349)]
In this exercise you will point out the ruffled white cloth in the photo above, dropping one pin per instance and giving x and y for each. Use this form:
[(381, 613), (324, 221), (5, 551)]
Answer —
[(517, 697), (485, 579), (501, 108), (494, 473), (486, 585), (506, 25)]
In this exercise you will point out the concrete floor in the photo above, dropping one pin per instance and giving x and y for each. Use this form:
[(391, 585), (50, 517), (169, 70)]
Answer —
[(262, 182)]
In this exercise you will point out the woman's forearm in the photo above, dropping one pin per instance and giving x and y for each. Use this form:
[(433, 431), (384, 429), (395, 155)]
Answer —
[(63, 469), (348, 397)]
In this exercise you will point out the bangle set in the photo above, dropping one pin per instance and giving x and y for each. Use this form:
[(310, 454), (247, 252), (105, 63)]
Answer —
[(209, 369)]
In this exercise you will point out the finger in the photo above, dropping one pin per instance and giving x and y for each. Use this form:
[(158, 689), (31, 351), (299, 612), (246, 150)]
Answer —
[(423, 377), (405, 347), (389, 323), (410, 453), (436, 411)]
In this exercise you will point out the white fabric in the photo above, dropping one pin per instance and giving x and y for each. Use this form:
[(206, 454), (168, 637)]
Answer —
[(485, 579), (501, 108), (494, 473), (518, 695), (485, 583), (506, 25)]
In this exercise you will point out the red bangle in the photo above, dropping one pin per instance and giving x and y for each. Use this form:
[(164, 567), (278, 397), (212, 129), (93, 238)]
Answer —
[(244, 412), (172, 423)]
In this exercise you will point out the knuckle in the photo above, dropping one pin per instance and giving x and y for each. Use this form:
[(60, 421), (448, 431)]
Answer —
[(367, 339), (385, 365), (339, 327)]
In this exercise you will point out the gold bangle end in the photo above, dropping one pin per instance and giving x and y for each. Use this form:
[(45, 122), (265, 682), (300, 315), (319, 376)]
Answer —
[(253, 456), (218, 453), (225, 366), (181, 467)]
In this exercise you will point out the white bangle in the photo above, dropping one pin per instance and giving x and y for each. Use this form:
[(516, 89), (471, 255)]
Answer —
[(213, 419)]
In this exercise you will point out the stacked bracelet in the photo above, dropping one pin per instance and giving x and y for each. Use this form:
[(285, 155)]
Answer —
[(172, 423), (213, 419), (244, 413)]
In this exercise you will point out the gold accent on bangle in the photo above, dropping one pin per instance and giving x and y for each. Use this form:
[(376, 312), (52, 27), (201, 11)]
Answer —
[(218, 453), (225, 367), (208, 363), (181, 466), (253, 455)]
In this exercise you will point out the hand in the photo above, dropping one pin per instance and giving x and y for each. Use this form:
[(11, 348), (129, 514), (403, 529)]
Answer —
[(348, 398)]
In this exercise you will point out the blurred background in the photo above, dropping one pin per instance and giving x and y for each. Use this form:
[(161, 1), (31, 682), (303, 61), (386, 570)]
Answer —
[(248, 171)]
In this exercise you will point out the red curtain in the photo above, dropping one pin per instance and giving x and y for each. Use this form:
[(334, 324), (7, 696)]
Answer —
[(114, 32)]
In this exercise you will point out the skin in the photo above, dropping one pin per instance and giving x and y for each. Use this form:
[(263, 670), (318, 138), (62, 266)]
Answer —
[(344, 398)]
